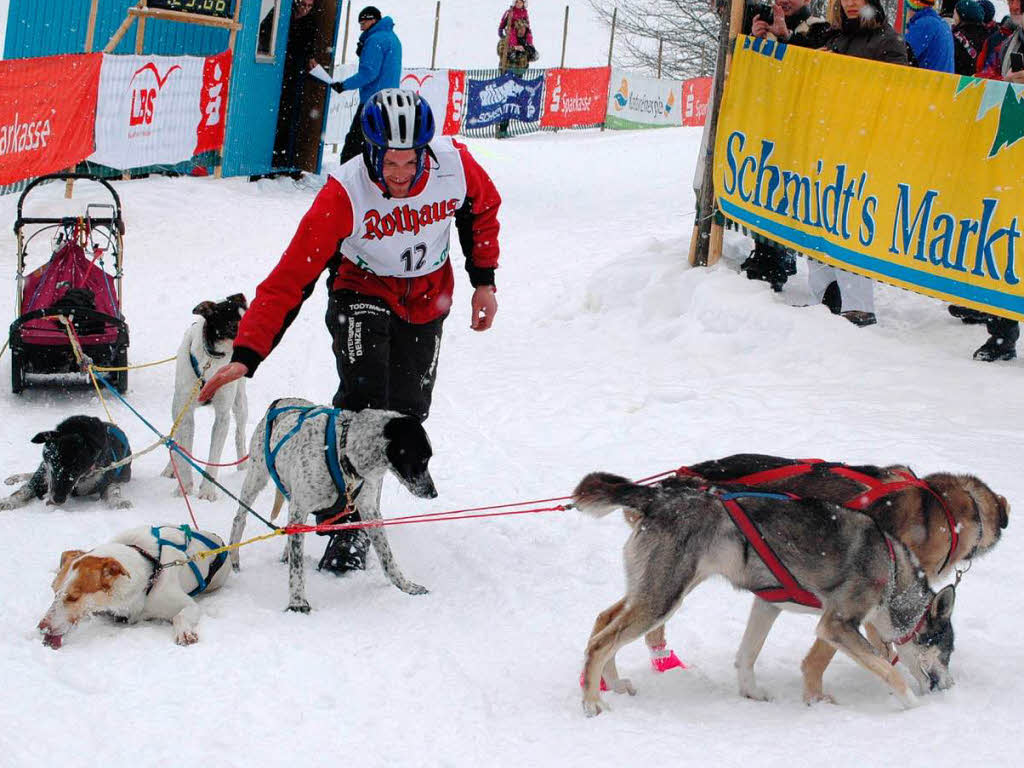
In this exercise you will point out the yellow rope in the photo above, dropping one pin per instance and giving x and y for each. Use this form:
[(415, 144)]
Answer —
[(111, 368), (228, 547)]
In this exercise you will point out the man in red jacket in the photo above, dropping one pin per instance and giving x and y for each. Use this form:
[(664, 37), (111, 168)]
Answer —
[(388, 216)]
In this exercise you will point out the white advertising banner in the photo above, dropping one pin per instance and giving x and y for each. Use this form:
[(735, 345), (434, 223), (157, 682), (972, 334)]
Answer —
[(148, 112), (643, 102), (341, 107)]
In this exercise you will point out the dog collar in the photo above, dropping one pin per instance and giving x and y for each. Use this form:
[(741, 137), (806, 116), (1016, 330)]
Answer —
[(157, 567), (915, 631)]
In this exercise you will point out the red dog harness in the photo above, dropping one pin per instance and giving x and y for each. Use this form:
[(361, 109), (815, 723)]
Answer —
[(875, 489)]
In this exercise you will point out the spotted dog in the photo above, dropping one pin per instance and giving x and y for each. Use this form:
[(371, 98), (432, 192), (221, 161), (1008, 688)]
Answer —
[(205, 348), (74, 455), (839, 562), (295, 450)]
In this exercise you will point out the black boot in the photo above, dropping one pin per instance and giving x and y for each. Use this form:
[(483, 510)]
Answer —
[(346, 550), (769, 262), (968, 316), (832, 298)]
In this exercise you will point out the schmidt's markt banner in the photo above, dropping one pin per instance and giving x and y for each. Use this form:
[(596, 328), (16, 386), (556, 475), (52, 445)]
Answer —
[(908, 176)]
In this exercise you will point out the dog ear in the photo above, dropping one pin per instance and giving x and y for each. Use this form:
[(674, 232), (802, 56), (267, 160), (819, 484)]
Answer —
[(942, 605), (66, 559), (204, 308), (239, 300), (111, 570), (69, 555), (1004, 511), (45, 437)]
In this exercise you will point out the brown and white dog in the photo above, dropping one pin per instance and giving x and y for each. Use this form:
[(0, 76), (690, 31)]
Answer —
[(944, 519), (137, 576)]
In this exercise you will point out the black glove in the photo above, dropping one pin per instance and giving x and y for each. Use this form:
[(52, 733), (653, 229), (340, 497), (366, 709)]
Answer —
[(338, 87)]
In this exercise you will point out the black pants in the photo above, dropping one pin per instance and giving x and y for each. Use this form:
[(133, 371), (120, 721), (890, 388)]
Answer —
[(383, 361), (1003, 328), (353, 146)]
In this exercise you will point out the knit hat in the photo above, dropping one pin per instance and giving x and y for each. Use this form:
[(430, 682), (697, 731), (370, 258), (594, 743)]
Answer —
[(970, 11), (988, 9), (919, 5), (369, 12)]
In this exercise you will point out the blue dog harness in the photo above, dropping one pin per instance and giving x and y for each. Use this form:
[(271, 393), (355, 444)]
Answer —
[(195, 369), (189, 535), (118, 448), (330, 442)]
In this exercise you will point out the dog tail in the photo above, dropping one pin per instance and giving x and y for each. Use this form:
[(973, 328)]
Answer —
[(600, 493), (278, 503)]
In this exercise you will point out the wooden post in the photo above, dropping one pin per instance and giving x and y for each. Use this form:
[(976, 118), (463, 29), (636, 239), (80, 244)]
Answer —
[(565, 35), (344, 39), (707, 248), (611, 40), (120, 32), (437, 22), (218, 170), (660, 43), (140, 31), (90, 30)]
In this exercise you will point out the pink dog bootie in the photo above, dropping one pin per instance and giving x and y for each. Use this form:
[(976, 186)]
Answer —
[(663, 659), (604, 685)]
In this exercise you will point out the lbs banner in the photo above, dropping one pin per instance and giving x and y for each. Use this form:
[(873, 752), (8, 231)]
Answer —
[(506, 97), (46, 113), (160, 110), (642, 102), (575, 97), (912, 177)]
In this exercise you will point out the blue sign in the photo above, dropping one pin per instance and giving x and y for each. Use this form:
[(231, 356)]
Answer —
[(507, 97)]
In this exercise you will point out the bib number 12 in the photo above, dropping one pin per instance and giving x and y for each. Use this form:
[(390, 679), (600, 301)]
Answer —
[(417, 252)]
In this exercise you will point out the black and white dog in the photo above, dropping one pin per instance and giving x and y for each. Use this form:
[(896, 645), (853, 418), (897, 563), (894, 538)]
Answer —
[(368, 444), (205, 349), (74, 455)]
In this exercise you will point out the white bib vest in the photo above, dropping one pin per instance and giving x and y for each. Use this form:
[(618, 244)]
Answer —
[(409, 236)]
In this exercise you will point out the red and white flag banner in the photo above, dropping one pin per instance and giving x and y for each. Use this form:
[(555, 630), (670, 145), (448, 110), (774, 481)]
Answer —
[(46, 113), (696, 97), (444, 90), (160, 110), (575, 97)]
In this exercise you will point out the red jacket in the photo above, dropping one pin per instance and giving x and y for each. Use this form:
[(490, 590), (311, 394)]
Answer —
[(315, 244)]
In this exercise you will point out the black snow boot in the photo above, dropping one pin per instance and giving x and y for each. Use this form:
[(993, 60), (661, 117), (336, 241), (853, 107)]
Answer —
[(832, 298), (346, 550), (770, 262)]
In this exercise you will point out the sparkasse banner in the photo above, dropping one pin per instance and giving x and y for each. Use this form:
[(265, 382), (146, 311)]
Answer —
[(574, 97), (696, 97), (158, 110), (913, 177), (444, 91), (642, 102), (46, 113)]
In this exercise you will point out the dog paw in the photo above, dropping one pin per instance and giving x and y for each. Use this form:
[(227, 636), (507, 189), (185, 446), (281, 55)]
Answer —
[(168, 471), (122, 504), (186, 637), (208, 493), (755, 693), (593, 707), (413, 589), (6, 506), (624, 685), (302, 607), (818, 697)]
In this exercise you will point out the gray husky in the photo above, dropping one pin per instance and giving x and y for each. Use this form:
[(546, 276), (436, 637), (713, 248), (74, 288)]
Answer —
[(683, 534), (369, 444)]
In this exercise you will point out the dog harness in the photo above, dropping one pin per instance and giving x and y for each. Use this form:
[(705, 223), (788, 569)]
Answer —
[(875, 489), (789, 591), (157, 561), (334, 465), (195, 369), (118, 448)]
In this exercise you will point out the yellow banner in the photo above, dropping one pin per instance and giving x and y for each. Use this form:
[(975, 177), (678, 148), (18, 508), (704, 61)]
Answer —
[(911, 177)]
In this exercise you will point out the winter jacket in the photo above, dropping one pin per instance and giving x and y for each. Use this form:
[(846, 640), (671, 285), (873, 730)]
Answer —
[(330, 220), (968, 38), (807, 31), (990, 60), (1012, 44), (878, 43), (509, 18), (380, 60), (514, 38), (929, 36)]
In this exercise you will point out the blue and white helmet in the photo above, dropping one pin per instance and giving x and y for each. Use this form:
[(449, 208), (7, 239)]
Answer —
[(395, 118)]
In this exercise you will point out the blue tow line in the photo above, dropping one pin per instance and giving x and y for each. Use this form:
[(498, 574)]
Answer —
[(172, 445)]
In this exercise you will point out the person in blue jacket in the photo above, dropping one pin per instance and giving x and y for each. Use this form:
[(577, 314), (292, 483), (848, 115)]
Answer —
[(380, 66), (929, 37)]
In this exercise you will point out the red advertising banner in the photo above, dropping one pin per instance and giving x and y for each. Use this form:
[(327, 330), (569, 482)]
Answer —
[(213, 102), (696, 97), (47, 111), (574, 97), (456, 101)]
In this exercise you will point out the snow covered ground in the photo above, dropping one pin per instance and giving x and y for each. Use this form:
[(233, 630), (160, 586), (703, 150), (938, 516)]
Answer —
[(608, 352)]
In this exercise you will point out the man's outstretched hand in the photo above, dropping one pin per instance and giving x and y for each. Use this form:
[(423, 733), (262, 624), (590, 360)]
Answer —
[(225, 375), (485, 307)]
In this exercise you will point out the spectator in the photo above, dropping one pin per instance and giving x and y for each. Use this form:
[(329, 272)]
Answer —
[(380, 66), (513, 13), (969, 35), (863, 31), (298, 60), (394, 288), (989, 11), (990, 58), (929, 37), (515, 50), (793, 23)]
